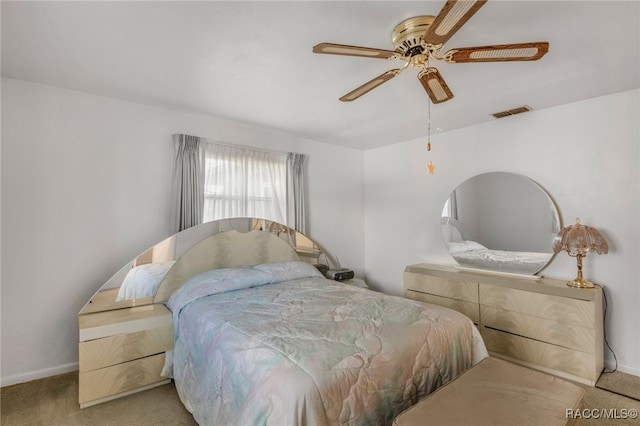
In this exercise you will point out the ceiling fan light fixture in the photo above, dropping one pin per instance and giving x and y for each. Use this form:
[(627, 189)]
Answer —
[(407, 35), (417, 40)]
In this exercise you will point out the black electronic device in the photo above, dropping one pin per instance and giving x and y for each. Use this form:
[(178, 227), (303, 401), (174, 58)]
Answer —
[(342, 274)]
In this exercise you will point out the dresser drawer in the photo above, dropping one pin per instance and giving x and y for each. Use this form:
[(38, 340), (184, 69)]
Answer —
[(120, 378), (112, 350), (553, 357), (467, 308), (111, 323), (550, 331), (439, 286), (560, 309), (541, 323)]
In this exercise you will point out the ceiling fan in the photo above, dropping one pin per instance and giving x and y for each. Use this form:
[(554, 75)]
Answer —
[(416, 40)]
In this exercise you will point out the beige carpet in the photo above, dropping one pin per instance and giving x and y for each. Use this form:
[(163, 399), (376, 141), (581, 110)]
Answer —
[(54, 402), (620, 383)]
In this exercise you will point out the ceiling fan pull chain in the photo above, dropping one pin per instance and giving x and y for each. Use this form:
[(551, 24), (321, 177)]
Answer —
[(430, 167), (428, 117), (428, 126)]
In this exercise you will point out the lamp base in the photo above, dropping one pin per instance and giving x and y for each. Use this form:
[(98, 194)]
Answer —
[(580, 283)]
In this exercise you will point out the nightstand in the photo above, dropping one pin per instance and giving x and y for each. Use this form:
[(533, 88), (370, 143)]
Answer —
[(122, 352)]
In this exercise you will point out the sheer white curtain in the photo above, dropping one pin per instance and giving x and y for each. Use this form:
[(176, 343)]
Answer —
[(244, 182)]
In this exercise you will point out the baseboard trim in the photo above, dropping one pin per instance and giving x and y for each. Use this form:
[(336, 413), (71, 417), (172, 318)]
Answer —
[(610, 365), (38, 374)]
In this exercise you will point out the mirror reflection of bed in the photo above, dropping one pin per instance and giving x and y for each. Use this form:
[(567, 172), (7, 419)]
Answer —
[(252, 332), (500, 222)]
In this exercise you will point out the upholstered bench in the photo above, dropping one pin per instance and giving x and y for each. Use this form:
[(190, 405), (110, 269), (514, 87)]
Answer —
[(496, 392)]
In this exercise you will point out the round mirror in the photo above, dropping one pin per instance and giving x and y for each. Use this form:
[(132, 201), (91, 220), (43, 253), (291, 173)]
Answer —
[(501, 222)]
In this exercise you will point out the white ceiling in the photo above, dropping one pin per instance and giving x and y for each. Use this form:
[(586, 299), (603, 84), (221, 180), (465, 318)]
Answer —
[(252, 61)]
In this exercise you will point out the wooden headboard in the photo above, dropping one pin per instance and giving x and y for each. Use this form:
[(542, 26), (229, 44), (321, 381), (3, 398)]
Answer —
[(225, 250)]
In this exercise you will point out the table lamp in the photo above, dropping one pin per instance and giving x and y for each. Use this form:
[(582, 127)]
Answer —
[(578, 240)]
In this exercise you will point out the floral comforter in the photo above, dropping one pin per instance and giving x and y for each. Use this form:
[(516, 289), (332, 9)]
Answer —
[(278, 344)]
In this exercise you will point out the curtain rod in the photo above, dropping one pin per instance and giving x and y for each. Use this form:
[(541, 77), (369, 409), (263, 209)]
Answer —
[(236, 145)]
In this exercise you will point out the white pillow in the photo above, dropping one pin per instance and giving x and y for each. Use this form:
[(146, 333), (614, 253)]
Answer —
[(143, 280), (464, 246)]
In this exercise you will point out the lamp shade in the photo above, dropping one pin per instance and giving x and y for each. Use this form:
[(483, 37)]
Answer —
[(579, 239)]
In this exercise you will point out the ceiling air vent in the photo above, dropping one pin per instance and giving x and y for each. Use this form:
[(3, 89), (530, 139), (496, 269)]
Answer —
[(514, 111)]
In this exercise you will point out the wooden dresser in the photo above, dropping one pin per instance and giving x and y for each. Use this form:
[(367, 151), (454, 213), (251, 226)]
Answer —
[(122, 351), (543, 324)]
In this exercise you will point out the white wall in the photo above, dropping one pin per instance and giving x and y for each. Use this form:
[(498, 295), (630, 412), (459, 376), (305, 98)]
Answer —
[(85, 188), (85, 184), (584, 154)]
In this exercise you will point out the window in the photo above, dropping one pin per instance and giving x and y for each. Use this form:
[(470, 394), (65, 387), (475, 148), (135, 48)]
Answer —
[(244, 182), (450, 208)]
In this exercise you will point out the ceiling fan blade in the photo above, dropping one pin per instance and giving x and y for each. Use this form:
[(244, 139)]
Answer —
[(435, 85), (370, 85), (343, 49), (452, 16), (499, 53)]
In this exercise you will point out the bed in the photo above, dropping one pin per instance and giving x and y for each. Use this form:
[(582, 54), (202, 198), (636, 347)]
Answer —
[(261, 337), (471, 254)]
